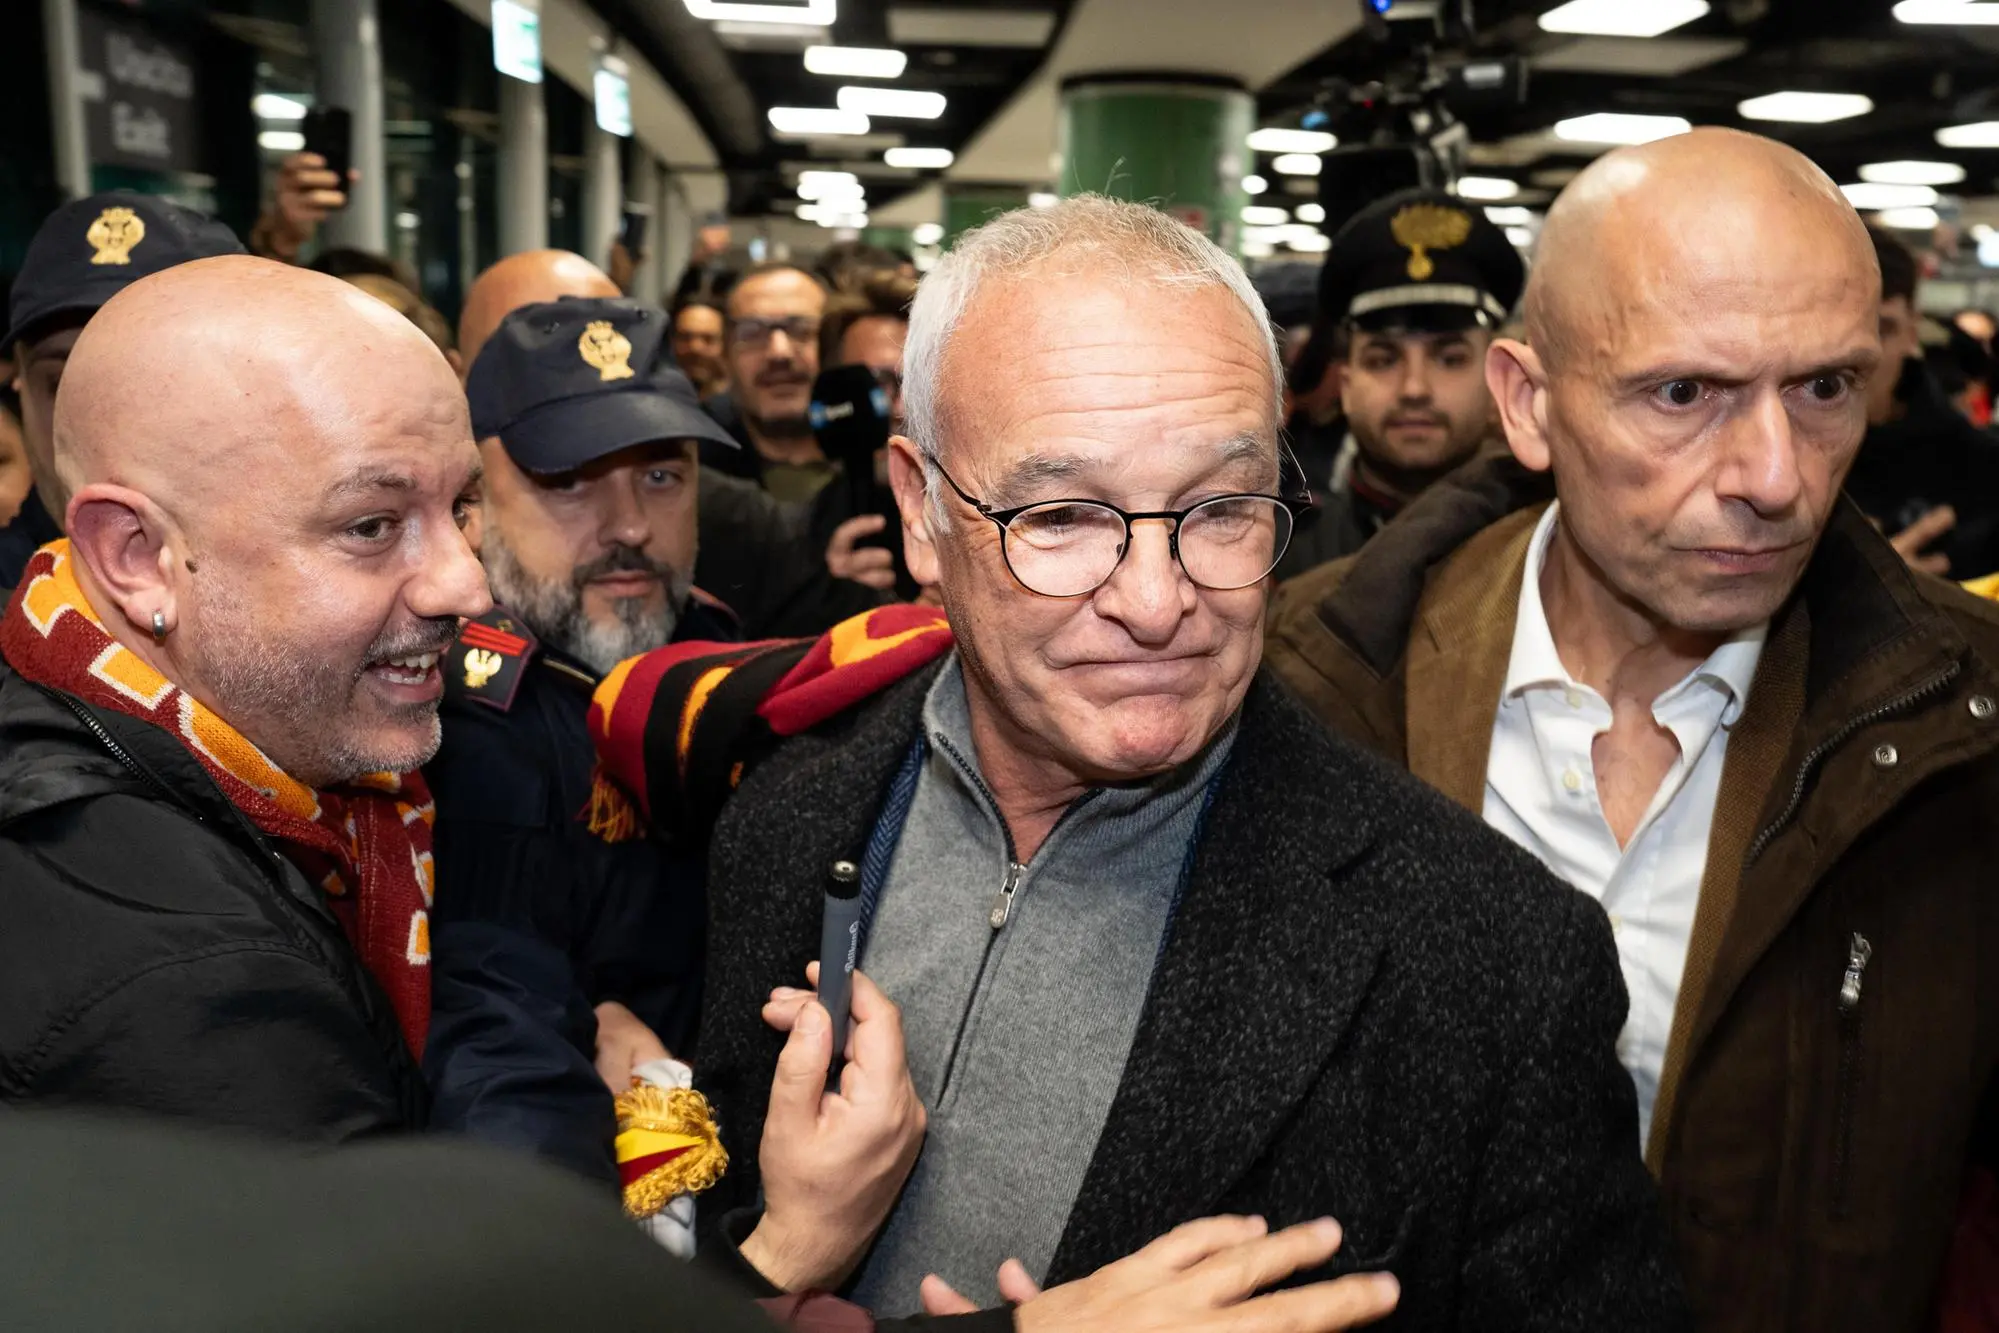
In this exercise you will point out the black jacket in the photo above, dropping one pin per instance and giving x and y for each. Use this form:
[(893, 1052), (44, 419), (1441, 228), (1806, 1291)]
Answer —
[(759, 557), (1932, 455), (538, 920), (27, 532), (160, 954), (1369, 1005)]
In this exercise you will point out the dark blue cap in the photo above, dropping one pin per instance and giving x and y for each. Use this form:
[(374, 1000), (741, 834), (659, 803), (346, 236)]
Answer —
[(88, 251), (566, 382)]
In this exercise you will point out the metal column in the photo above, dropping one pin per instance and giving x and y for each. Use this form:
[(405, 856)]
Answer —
[(648, 187), (347, 51), (523, 167), (603, 193), (65, 103)]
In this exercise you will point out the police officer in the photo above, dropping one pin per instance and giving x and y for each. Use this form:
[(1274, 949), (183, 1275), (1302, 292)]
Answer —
[(1412, 291), (587, 532), (84, 253)]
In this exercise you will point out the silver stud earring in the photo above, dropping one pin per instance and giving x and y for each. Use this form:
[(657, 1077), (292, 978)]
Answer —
[(159, 627)]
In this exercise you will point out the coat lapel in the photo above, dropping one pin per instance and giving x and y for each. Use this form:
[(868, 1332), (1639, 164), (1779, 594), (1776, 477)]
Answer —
[(1268, 959), (1458, 657)]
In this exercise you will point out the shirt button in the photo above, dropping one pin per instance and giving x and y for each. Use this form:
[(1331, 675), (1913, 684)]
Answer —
[(1573, 698), (1572, 780)]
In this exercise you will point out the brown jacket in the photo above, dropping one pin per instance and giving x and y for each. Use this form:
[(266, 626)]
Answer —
[(1832, 1065)]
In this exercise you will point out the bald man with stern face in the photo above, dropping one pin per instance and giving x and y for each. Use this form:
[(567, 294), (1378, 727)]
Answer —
[(1658, 649), (215, 696)]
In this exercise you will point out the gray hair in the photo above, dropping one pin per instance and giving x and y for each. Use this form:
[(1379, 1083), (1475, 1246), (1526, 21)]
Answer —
[(1083, 233)]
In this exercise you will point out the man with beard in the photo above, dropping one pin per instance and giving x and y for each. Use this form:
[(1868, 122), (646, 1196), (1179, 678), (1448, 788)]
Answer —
[(216, 691), (772, 337), (588, 535), (1412, 293)]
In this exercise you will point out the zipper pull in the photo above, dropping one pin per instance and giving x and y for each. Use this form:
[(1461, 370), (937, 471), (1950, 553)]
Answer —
[(1857, 954), (1003, 900)]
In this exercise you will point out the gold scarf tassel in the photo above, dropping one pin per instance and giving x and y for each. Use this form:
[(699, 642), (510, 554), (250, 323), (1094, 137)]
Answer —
[(654, 1120)]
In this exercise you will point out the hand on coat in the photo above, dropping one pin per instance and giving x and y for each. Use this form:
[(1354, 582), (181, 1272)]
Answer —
[(1199, 1278), (833, 1163)]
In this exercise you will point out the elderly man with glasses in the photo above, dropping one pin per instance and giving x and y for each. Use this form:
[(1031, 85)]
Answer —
[(1163, 946)]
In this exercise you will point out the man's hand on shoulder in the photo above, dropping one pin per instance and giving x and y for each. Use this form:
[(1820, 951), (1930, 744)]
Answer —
[(1203, 1276)]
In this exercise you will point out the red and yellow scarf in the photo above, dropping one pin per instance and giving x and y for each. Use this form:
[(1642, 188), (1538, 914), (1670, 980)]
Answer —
[(366, 845)]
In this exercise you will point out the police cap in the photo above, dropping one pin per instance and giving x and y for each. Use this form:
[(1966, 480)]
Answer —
[(566, 382), (1420, 260), (88, 251)]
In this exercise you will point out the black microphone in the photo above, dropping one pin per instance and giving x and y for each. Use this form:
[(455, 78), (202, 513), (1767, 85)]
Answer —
[(840, 948), (849, 416)]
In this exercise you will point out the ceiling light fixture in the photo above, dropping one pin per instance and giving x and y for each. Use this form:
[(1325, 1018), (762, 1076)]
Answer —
[(927, 233), (1617, 128), (1805, 108), (281, 141), (1043, 199), (1315, 244), (922, 159), (1297, 164), (816, 120), (1909, 219), (1291, 141), (274, 106), (1978, 134), (1254, 185), (1912, 173), (817, 13), (1522, 238), (1872, 196), (1486, 187), (897, 102), (1258, 249), (1261, 215), (1312, 213), (1622, 18), (814, 178), (1962, 13), (855, 62), (1512, 215)]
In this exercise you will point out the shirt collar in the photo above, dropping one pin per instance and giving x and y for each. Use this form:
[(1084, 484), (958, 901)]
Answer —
[(1536, 663)]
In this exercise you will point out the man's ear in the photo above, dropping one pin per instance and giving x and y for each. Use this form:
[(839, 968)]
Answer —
[(906, 478), (125, 544), (1519, 386)]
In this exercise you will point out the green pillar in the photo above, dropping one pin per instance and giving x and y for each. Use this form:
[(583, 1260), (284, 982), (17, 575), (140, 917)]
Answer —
[(889, 238), (1180, 143), (968, 204)]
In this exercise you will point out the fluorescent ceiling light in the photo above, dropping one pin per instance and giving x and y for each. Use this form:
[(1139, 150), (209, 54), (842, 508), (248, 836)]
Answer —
[(1258, 249), (1960, 12), (1869, 197), (933, 25), (833, 193), (1912, 173), (1521, 237), (1297, 164), (1291, 141), (1805, 108), (855, 62), (281, 141), (1487, 187), (1254, 185), (1512, 215), (1622, 18), (1979, 134), (1043, 199), (271, 106), (1909, 219), (900, 102), (1312, 213), (818, 13), (1260, 215), (1988, 251), (923, 159), (810, 120), (927, 233), (1617, 128), (1314, 244)]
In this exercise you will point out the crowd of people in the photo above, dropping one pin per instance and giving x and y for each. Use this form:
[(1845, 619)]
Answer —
[(1456, 803)]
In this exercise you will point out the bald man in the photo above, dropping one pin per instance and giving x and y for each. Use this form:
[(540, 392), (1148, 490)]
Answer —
[(214, 694), (1659, 650)]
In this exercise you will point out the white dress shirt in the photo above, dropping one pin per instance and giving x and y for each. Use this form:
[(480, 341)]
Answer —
[(1540, 791)]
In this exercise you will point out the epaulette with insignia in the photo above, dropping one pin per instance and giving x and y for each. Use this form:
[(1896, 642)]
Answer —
[(676, 729), (487, 661)]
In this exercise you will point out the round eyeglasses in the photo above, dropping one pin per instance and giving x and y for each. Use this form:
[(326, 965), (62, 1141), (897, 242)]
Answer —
[(1066, 548)]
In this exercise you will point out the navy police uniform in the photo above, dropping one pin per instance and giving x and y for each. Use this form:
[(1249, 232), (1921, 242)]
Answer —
[(82, 255), (1421, 261), (538, 919)]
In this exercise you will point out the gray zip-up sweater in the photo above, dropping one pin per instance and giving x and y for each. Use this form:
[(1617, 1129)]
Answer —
[(1017, 1033)]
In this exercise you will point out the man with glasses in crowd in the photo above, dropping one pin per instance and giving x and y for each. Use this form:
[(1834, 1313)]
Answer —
[(772, 353), (1162, 945)]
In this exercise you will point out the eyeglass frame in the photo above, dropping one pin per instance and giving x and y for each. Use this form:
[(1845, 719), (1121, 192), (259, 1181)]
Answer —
[(733, 332), (1296, 505)]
